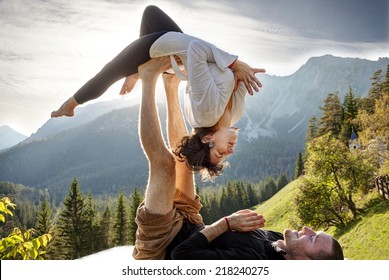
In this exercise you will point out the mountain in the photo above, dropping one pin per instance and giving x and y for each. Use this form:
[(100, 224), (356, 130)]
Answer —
[(82, 116), (101, 146), (9, 137), (103, 154), (285, 104)]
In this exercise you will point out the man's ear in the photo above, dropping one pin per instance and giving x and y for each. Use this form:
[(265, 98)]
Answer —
[(206, 138)]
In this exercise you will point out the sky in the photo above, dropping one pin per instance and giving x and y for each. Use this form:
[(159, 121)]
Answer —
[(50, 48)]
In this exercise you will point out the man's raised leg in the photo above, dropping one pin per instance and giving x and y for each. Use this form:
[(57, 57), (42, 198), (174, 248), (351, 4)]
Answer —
[(161, 182), (177, 129)]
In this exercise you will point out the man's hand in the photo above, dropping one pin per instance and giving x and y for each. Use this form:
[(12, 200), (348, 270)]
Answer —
[(245, 73), (245, 220)]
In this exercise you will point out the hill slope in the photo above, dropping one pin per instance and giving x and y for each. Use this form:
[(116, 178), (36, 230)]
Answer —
[(365, 239)]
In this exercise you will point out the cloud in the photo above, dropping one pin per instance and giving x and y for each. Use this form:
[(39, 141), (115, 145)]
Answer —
[(50, 48)]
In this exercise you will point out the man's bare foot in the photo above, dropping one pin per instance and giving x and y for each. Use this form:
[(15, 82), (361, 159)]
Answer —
[(170, 80), (66, 109), (154, 67), (129, 84)]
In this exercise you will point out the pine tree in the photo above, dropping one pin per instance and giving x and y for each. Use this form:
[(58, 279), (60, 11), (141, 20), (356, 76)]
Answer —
[(385, 84), (282, 181), (240, 197), (268, 189), (136, 200), (375, 92), (105, 230), (299, 166), (349, 113), (90, 226), (251, 195), (205, 210), (44, 221), (120, 225), (71, 223), (312, 129), (330, 122), (214, 209), (226, 204)]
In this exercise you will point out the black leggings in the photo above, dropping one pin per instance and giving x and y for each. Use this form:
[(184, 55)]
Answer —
[(154, 24)]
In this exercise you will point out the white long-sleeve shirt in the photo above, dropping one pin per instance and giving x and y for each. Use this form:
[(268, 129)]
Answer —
[(211, 80)]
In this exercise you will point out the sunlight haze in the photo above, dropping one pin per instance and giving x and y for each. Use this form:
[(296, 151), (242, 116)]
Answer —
[(49, 49)]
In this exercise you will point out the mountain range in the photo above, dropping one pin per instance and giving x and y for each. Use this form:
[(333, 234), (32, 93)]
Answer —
[(9, 137), (100, 145)]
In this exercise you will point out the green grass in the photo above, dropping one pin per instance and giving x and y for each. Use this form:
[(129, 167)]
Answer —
[(364, 239), (279, 210)]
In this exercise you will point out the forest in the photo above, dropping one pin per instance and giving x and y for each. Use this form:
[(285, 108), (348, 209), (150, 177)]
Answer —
[(346, 148)]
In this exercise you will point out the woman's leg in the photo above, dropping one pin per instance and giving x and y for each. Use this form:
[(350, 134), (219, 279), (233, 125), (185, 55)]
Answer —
[(125, 63), (153, 20)]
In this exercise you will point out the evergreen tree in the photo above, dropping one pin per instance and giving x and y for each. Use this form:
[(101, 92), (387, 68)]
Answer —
[(375, 91), (330, 122), (282, 181), (226, 201), (205, 210), (385, 84), (72, 224), (214, 209), (105, 230), (90, 226), (251, 195), (268, 188), (44, 221), (349, 113), (312, 129), (120, 225), (299, 166), (241, 199), (136, 200)]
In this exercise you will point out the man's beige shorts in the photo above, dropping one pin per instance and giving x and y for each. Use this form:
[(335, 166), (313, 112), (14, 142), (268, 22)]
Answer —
[(155, 231)]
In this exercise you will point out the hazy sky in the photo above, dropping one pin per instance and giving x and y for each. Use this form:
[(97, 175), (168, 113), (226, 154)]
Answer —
[(50, 48)]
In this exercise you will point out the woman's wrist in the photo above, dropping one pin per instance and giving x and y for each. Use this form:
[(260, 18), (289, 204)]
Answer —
[(231, 66)]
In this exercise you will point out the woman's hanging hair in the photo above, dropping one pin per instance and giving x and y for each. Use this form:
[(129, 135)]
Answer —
[(196, 154)]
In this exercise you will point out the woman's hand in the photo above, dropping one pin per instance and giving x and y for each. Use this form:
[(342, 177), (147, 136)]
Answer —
[(245, 73), (245, 220)]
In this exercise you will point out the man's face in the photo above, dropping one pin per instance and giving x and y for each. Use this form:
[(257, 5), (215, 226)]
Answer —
[(305, 244)]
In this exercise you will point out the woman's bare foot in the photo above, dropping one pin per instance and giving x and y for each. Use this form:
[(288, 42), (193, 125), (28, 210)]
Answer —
[(129, 84), (66, 109)]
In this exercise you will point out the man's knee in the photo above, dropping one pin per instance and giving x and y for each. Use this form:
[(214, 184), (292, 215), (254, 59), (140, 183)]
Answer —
[(165, 162)]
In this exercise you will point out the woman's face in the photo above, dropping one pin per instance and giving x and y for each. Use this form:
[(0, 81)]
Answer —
[(224, 140)]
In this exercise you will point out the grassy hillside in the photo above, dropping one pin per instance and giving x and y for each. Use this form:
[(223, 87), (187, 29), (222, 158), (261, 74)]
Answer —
[(365, 239), (279, 210)]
